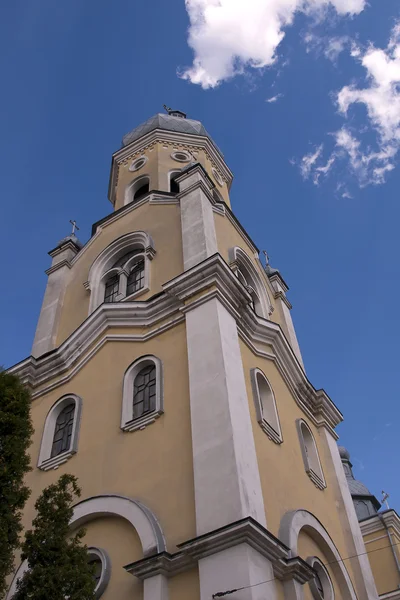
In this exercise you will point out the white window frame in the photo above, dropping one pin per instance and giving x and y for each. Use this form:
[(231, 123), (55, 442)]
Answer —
[(46, 461), (171, 175), (102, 266), (309, 450), (323, 575), (105, 569), (128, 422), (269, 423)]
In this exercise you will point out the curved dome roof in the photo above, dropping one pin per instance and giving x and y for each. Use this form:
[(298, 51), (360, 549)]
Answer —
[(345, 454), (357, 488), (70, 238), (167, 123)]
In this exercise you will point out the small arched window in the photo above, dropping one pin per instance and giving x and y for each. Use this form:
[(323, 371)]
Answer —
[(142, 191), (173, 184), (142, 401), (321, 586), (266, 411), (60, 433), (101, 564), (309, 450)]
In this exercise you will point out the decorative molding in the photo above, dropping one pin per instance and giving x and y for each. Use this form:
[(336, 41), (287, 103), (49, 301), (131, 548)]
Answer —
[(312, 462), (195, 142), (183, 293), (394, 595), (59, 265), (373, 524), (105, 569), (245, 531), (274, 435)]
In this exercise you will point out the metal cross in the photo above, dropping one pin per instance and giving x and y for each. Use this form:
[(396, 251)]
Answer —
[(266, 257), (74, 226), (384, 499)]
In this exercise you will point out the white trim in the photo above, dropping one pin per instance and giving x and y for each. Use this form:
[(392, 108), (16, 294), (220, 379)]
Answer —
[(46, 461), (105, 569), (328, 592), (373, 524), (267, 416), (309, 451), (291, 525), (142, 160), (188, 156), (217, 177), (104, 262), (128, 421), (171, 174)]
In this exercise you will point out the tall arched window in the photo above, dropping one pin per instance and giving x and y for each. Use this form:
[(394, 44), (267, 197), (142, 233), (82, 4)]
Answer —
[(60, 432), (309, 451), (63, 430), (142, 191), (266, 411), (142, 401)]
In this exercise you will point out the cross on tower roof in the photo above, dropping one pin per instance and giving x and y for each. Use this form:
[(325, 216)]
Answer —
[(74, 226)]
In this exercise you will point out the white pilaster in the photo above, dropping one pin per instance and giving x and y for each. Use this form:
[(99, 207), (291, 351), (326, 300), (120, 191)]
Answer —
[(198, 229), (155, 588), (350, 523), (46, 330), (226, 476), (234, 568)]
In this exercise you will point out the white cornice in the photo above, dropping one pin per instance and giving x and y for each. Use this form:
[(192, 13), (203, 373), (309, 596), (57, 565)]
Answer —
[(374, 524), (211, 278), (161, 135), (247, 531)]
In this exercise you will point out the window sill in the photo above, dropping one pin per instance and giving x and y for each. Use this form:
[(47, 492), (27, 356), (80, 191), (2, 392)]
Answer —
[(142, 422), (135, 294), (56, 461), (316, 479), (270, 431)]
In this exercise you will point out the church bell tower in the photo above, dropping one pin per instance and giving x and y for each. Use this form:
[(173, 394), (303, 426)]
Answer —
[(167, 376)]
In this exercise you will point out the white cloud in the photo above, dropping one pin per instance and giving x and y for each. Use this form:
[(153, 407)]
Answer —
[(308, 161), (274, 98), (227, 36), (335, 46), (381, 99), (330, 47)]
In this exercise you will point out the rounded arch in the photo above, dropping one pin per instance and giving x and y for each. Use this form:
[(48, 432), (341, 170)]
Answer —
[(140, 185), (258, 288), (173, 186), (295, 521), (139, 240), (137, 514)]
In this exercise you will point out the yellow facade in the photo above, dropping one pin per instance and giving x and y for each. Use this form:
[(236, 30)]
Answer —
[(197, 499)]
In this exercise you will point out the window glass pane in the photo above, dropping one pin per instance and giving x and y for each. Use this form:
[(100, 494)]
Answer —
[(136, 278), (121, 261), (63, 430), (111, 289), (144, 391)]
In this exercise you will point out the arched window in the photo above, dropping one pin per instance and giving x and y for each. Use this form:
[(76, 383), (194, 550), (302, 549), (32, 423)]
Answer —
[(309, 450), (266, 411), (100, 561), (142, 401), (137, 189), (60, 433), (248, 275), (321, 586), (142, 191), (63, 430), (173, 184), (122, 270)]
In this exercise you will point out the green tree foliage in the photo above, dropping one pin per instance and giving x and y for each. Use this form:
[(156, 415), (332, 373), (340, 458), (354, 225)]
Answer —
[(15, 438), (58, 566)]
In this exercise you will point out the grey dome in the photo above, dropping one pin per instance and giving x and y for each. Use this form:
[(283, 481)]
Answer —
[(344, 454), (357, 488), (167, 123), (270, 270), (70, 238)]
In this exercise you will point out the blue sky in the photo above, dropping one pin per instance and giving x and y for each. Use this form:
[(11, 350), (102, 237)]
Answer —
[(78, 75)]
